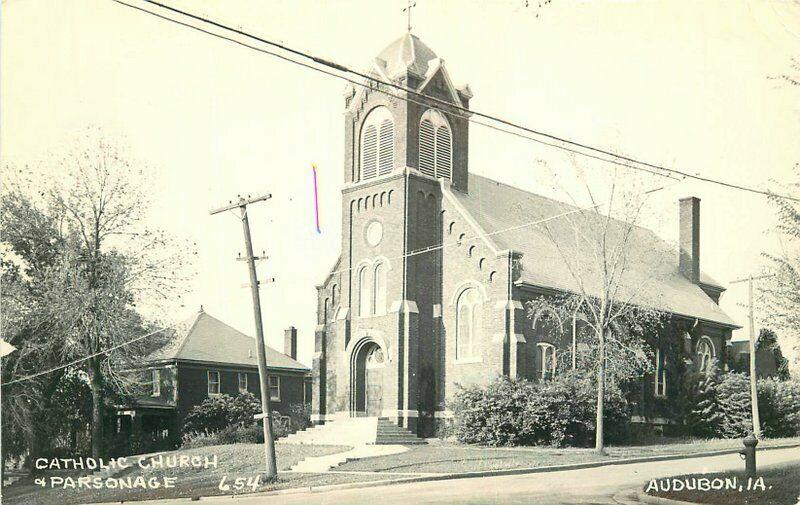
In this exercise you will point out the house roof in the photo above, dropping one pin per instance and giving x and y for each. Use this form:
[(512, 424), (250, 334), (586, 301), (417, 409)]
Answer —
[(207, 339), (651, 277)]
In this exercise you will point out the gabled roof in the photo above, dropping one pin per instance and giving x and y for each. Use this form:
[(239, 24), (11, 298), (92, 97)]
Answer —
[(651, 278), (207, 339)]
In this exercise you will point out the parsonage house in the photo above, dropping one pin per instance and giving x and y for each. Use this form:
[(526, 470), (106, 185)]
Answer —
[(400, 328), (205, 358)]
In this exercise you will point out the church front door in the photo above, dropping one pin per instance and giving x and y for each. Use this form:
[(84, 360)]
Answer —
[(369, 382)]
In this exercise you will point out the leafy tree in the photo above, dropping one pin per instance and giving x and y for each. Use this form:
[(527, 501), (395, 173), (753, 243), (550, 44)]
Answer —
[(780, 293), (768, 341), (32, 249), (106, 266)]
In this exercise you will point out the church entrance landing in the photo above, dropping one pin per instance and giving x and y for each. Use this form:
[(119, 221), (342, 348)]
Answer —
[(367, 393)]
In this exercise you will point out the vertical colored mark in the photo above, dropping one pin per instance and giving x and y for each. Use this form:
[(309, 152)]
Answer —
[(316, 197)]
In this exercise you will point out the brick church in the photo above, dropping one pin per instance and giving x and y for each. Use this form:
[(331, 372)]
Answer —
[(429, 289)]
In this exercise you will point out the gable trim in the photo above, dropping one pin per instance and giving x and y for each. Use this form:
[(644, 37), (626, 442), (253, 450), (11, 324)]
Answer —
[(479, 231), (432, 73)]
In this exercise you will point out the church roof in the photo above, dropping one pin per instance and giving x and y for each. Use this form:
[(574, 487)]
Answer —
[(406, 54), (207, 339), (652, 277)]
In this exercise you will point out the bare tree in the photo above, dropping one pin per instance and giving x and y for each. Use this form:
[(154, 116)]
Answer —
[(609, 266)]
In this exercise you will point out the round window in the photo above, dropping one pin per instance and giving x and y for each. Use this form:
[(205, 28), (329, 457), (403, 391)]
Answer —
[(374, 233)]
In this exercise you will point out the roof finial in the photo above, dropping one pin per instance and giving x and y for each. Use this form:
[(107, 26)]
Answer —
[(201, 307), (407, 9)]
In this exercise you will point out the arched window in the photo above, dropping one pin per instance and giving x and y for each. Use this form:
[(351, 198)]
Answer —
[(325, 308), (377, 144), (547, 360), (435, 145), (705, 354), (468, 313), (379, 290), (364, 297)]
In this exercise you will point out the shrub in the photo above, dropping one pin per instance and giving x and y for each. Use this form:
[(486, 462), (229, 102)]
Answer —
[(722, 406), (235, 434), (558, 412), (779, 407), (220, 412), (733, 396), (300, 414)]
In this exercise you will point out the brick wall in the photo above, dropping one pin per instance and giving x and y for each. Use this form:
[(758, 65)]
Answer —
[(193, 385)]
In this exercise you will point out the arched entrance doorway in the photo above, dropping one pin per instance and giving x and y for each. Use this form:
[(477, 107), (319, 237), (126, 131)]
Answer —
[(370, 362)]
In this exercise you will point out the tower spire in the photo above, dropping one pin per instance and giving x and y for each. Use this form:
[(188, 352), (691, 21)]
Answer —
[(411, 4)]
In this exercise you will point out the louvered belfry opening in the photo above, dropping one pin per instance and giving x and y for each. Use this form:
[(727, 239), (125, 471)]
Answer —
[(386, 148), (435, 145), (377, 144), (369, 152)]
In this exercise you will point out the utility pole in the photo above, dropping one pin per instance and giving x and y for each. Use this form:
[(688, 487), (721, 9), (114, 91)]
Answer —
[(263, 376), (753, 374)]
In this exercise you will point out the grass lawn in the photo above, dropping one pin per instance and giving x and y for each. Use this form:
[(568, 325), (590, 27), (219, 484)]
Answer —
[(442, 457), (233, 461), (781, 485)]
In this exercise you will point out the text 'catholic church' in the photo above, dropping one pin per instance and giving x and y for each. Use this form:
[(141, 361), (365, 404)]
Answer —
[(434, 271)]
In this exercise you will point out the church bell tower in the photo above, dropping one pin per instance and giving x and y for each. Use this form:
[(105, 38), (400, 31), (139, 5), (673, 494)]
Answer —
[(406, 135)]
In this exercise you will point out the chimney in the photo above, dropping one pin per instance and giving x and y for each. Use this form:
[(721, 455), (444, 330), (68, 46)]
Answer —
[(290, 342), (689, 238)]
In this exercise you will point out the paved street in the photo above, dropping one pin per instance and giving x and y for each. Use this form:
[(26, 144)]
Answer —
[(595, 485)]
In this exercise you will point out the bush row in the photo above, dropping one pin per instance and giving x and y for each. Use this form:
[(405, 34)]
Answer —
[(558, 412), (561, 412)]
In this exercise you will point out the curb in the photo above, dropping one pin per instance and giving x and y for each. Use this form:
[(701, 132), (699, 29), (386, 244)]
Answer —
[(657, 500)]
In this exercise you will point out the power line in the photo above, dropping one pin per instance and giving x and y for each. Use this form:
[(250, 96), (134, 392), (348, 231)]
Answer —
[(397, 96), (448, 105), (504, 230), (75, 362)]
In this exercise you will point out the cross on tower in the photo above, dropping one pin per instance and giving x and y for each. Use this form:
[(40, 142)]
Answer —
[(407, 9)]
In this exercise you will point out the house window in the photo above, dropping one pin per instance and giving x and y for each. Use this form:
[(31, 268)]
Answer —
[(661, 374), (468, 310), (547, 360), (274, 388), (242, 382), (379, 290), (435, 145), (156, 382), (363, 292), (705, 354), (213, 383), (377, 144)]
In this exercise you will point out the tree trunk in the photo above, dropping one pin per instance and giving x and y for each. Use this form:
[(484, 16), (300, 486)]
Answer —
[(96, 386), (601, 393)]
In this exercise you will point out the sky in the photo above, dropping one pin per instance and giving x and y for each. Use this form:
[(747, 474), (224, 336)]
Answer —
[(685, 84)]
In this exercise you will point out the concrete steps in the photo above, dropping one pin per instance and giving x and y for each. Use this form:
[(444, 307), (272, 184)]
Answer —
[(391, 434), (324, 463), (355, 431), (352, 431)]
